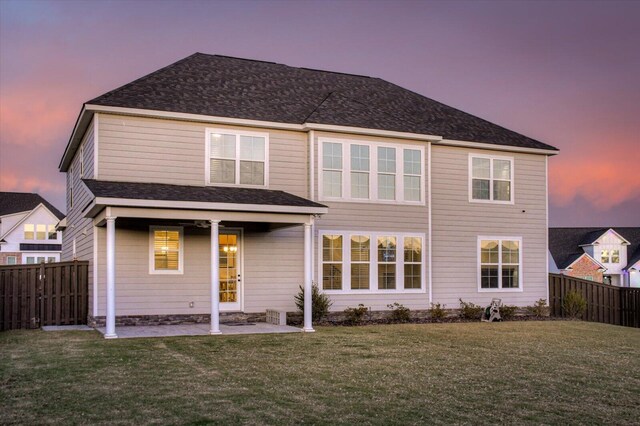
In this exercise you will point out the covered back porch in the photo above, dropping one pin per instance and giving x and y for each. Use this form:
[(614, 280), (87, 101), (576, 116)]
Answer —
[(146, 247)]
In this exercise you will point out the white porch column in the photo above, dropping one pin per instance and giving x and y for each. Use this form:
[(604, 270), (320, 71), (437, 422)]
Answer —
[(215, 278), (111, 279), (308, 326)]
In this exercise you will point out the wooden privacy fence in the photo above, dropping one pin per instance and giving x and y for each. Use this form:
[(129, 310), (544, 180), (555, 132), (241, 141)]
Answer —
[(605, 303), (32, 296)]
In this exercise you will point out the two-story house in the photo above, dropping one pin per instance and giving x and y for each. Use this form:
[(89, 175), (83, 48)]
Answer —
[(606, 255), (216, 186), (28, 229)]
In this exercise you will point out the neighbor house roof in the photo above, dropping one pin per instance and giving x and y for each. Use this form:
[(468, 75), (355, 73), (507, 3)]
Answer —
[(223, 86), (201, 194), (564, 243), (16, 202)]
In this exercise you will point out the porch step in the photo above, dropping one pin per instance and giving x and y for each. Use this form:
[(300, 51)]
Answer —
[(276, 317)]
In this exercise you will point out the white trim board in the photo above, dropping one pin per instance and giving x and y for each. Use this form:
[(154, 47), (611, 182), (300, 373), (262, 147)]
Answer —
[(100, 202), (88, 110)]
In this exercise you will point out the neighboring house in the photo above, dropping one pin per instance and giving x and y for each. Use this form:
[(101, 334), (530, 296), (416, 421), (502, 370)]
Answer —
[(220, 184), (609, 255), (28, 229)]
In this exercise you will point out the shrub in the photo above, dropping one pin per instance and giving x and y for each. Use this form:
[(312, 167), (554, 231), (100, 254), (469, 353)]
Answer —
[(539, 309), (437, 312), (320, 303), (470, 310), (399, 313), (356, 315), (507, 312), (574, 304)]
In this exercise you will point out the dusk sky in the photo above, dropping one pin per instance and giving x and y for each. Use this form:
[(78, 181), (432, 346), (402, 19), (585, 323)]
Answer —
[(564, 73)]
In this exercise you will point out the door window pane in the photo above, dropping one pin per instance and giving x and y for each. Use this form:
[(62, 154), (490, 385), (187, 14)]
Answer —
[(228, 267)]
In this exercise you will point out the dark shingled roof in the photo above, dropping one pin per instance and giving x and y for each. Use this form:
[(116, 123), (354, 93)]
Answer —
[(564, 243), (16, 202), (203, 194), (257, 90)]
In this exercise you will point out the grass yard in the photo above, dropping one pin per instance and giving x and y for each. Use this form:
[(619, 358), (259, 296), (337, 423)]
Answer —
[(518, 372)]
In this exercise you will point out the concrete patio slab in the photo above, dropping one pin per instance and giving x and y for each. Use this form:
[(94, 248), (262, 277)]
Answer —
[(128, 332), (67, 328)]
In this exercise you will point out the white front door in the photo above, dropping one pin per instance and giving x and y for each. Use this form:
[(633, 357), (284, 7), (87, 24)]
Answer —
[(230, 278)]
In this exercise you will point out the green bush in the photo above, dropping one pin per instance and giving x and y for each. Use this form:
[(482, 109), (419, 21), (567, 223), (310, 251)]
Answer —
[(507, 312), (320, 303), (539, 309), (574, 304), (399, 313), (356, 315), (437, 312), (470, 310)]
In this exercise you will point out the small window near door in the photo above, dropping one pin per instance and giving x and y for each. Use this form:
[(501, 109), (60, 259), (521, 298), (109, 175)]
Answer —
[(166, 250)]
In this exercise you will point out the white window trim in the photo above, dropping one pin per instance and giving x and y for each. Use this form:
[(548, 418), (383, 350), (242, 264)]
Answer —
[(81, 154), (373, 172), (237, 133), (373, 263), (491, 200), (479, 268), (15, 260), (152, 269)]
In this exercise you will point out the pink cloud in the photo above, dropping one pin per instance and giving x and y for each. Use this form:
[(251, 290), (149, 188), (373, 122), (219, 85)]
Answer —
[(602, 181)]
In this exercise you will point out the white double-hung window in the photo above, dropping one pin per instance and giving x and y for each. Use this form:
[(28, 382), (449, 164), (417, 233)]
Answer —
[(499, 263), (166, 250), (362, 171), (490, 179), (236, 158)]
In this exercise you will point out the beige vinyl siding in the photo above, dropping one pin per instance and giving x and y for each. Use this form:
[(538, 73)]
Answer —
[(373, 217), (77, 226), (273, 270), (139, 149), (457, 223)]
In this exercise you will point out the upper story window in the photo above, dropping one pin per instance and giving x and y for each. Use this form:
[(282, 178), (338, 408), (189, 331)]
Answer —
[(40, 232), (361, 171), (237, 158), (610, 256), (490, 179)]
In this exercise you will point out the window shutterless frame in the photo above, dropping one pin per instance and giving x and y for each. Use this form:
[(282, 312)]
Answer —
[(373, 171), (237, 159), (373, 263), (491, 179), (500, 264), (152, 269)]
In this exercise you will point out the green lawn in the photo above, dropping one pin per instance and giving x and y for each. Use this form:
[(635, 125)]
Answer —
[(531, 372)]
